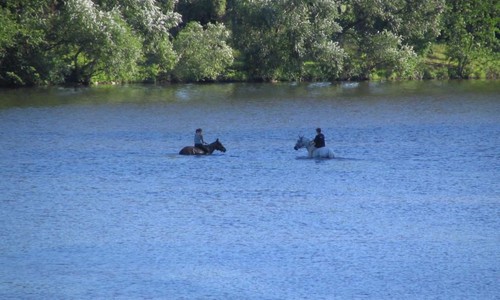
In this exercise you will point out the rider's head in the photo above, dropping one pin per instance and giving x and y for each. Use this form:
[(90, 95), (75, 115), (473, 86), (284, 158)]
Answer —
[(318, 130), (198, 130)]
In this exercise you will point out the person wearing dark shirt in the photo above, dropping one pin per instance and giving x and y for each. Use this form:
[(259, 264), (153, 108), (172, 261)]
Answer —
[(319, 140)]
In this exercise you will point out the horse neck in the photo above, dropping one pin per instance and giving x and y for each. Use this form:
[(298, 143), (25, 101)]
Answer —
[(308, 145), (310, 149), (211, 147)]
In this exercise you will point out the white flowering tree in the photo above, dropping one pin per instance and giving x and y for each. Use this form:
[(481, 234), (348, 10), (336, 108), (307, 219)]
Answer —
[(113, 40), (153, 20)]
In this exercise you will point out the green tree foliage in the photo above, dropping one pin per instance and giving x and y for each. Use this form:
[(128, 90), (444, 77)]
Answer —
[(347, 39), (202, 11), (8, 28), (79, 41), (203, 52), (471, 32), (152, 21), (84, 41), (117, 41), (278, 37), (387, 34), (23, 45), (96, 42)]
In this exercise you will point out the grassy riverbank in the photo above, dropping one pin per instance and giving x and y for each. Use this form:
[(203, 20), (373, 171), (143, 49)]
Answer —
[(436, 64)]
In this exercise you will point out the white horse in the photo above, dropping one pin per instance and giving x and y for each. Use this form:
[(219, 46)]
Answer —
[(312, 151)]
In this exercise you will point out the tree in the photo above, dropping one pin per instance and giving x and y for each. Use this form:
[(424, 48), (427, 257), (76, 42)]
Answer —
[(81, 41), (203, 52), (95, 42), (386, 34), (118, 40), (152, 21), (471, 32), (78, 41), (277, 38), (8, 28), (23, 40), (202, 11)]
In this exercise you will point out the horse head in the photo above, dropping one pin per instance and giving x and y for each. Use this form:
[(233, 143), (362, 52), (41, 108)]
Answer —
[(218, 146), (301, 143)]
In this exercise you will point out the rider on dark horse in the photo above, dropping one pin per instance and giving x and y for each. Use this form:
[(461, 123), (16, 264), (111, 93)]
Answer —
[(198, 140)]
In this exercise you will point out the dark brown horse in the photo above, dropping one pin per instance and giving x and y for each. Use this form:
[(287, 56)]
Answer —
[(191, 150)]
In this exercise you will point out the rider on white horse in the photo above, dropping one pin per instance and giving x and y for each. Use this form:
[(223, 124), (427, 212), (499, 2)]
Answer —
[(319, 140), (312, 151)]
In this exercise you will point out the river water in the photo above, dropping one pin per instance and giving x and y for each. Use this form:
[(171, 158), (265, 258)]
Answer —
[(96, 203)]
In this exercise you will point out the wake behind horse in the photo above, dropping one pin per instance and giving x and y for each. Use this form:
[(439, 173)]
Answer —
[(312, 151), (191, 150)]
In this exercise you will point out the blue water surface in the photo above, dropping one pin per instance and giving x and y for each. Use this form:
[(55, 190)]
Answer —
[(96, 203)]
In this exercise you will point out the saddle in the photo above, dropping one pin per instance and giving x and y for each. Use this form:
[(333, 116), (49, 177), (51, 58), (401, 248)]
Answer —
[(202, 149)]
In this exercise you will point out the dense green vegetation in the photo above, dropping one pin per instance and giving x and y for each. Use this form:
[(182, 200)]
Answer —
[(94, 41)]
